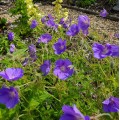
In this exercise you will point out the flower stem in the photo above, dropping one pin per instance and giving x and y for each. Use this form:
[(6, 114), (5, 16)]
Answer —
[(103, 114)]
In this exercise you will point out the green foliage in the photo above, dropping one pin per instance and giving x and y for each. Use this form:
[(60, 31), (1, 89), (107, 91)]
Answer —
[(20, 9), (4, 45), (59, 12), (112, 1), (3, 23), (25, 12), (84, 3), (42, 97)]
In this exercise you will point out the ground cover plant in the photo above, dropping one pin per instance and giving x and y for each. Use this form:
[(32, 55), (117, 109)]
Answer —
[(54, 68)]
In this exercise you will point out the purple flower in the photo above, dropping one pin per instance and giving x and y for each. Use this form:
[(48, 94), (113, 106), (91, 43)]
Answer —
[(50, 17), (59, 46), (55, 27), (45, 38), (43, 19), (12, 74), (46, 18), (32, 51), (50, 23), (33, 24), (116, 35), (72, 113), (103, 13), (12, 48), (73, 30), (9, 97), (64, 23), (111, 104), (101, 51), (83, 23), (10, 36), (63, 69), (114, 50), (45, 67), (25, 62)]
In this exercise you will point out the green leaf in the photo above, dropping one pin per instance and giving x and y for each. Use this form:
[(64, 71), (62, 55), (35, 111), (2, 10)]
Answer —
[(33, 104)]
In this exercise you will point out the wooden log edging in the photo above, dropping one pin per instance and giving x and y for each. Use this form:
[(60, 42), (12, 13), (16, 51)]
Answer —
[(88, 11), (4, 3)]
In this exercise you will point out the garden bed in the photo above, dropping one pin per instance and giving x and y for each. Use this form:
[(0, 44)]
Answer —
[(53, 67)]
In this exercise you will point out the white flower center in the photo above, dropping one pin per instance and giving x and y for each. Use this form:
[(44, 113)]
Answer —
[(12, 94), (61, 47), (62, 68)]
